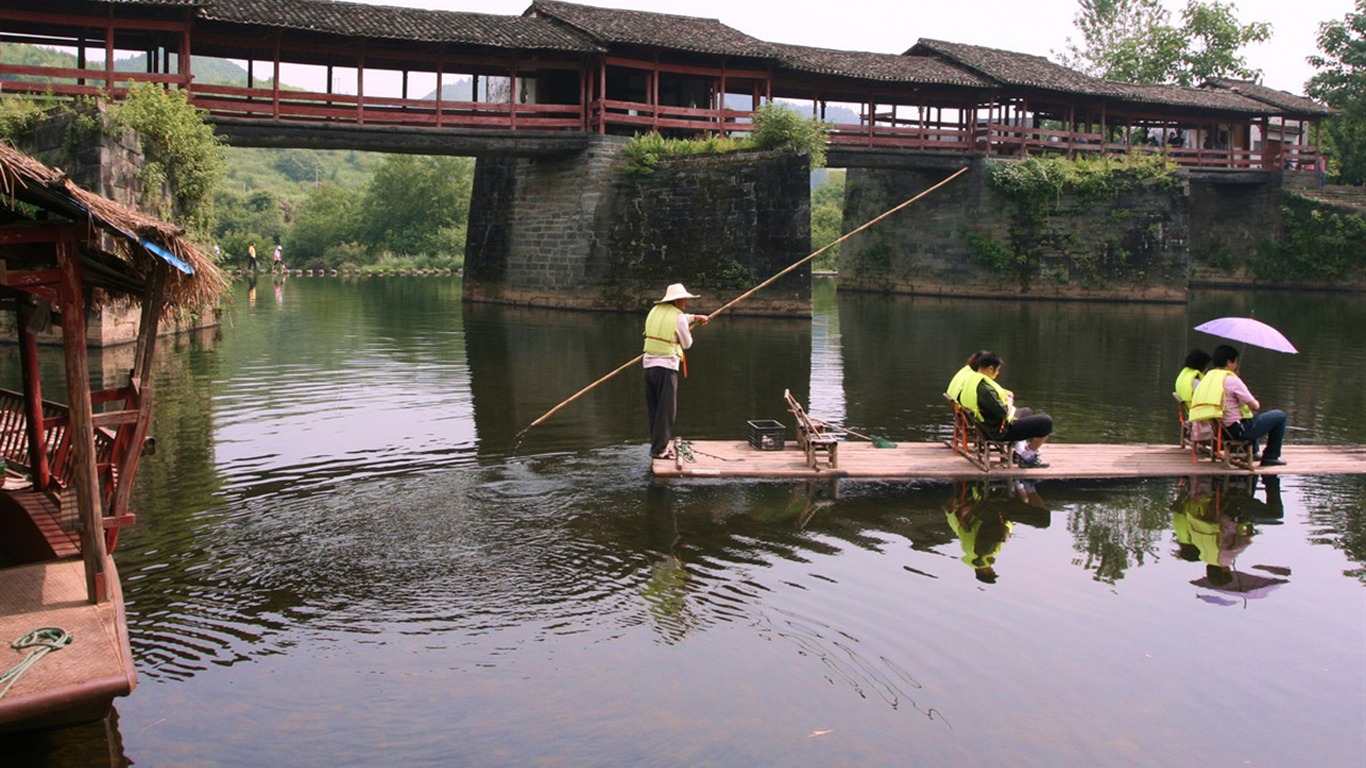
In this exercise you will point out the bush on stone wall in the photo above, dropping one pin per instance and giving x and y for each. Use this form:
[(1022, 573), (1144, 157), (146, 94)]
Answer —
[(1317, 244)]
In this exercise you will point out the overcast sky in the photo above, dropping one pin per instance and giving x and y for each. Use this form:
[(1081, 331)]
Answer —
[(891, 26)]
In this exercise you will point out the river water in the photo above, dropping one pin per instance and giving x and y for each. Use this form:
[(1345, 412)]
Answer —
[(351, 552)]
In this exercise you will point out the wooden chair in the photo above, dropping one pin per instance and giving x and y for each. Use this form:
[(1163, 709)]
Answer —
[(986, 453), (812, 437), (1212, 438), (964, 434), (1183, 420)]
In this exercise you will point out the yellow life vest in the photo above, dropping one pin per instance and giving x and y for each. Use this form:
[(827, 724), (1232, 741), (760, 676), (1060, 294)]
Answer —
[(1207, 402), (956, 383), (1185, 384), (661, 331), (967, 392), (968, 396)]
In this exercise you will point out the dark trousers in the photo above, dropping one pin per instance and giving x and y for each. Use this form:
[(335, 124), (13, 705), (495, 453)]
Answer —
[(1028, 425), (661, 403), (1270, 424)]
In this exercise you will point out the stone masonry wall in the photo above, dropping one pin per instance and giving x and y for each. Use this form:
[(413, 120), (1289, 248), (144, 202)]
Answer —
[(1232, 222), (580, 233), (963, 241)]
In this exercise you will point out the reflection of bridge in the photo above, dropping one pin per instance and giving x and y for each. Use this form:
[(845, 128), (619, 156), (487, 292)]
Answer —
[(541, 82)]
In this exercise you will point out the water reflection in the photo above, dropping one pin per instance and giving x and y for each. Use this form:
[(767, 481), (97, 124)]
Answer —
[(983, 514), (339, 546), (1215, 520)]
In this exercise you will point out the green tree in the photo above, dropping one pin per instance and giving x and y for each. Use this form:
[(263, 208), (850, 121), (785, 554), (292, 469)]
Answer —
[(178, 146), (1341, 83), (417, 205), (827, 219), (326, 221), (1135, 41)]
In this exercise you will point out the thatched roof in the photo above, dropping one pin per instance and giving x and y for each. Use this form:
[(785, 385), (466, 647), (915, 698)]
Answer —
[(611, 26), (132, 243)]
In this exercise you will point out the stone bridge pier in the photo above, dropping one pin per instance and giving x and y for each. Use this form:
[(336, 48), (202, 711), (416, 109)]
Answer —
[(581, 231)]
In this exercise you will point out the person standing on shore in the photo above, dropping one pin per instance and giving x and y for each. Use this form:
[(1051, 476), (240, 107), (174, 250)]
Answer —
[(668, 332)]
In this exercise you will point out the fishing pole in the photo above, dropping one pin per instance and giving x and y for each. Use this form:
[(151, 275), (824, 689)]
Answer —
[(756, 288)]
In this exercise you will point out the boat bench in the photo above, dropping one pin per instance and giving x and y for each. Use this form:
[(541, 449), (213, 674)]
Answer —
[(812, 437)]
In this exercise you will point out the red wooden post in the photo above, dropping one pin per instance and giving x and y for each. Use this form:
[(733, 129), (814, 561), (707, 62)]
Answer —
[(33, 401)]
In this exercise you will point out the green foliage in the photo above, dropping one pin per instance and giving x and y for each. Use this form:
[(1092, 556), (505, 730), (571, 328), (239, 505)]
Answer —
[(1317, 244), (1135, 41), (177, 146), (417, 205), (775, 126), (827, 220), (19, 115), (1038, 184), (990, 252), (778, 125), (324, 223), (1340, 82), (642, 153)]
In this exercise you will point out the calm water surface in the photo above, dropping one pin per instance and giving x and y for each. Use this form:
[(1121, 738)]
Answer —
[(348, 554)]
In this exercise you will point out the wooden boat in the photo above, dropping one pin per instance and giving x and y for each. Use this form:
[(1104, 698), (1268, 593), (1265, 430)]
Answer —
[(71, 466)]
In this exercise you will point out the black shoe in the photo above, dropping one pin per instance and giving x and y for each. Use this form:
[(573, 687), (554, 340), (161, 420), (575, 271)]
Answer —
[(1034, 463), (1273, 463)]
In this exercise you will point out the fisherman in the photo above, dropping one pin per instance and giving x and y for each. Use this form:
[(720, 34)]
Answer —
[(668, 332), (994, 407), (1222, 395)]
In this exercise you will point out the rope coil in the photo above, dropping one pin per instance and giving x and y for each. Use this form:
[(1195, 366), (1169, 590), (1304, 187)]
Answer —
[(42, 641)]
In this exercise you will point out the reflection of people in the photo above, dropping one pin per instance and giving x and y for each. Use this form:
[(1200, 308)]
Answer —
[(1222, 395), (1197, 360), (994, 407), (956, 383), (981, 531), (251, 256), (983, 515), (1214, 520), (668, 332)]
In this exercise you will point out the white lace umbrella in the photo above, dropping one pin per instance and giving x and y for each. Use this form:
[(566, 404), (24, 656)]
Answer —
[(1248, 331)]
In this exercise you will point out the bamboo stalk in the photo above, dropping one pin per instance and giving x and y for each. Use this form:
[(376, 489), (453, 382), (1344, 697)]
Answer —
[(756, 288)]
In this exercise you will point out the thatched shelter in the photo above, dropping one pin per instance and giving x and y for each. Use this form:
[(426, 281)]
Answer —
[(119, 247)]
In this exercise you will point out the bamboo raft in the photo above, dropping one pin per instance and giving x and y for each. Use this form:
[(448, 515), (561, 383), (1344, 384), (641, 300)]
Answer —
[(938, 461)]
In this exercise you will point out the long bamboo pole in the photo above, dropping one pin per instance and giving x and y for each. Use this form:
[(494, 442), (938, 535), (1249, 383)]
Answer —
[(757, 288)]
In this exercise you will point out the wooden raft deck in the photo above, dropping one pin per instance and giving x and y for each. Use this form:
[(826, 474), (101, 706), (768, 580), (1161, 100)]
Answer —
[(79, 681), (914, 461)]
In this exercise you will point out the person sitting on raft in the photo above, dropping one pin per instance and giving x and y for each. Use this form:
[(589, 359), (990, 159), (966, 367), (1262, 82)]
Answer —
[(969, 368), (994, 407), (1197, 360), (1223, 395)]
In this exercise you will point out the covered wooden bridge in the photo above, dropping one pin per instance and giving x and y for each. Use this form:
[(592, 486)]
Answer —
[(389, 78), (71, 460)]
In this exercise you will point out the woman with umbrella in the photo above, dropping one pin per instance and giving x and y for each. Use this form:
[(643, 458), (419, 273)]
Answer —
[(1222, 395)]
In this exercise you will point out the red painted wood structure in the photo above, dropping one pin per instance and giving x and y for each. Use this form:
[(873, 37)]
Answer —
[(70, 466), (570, 68)]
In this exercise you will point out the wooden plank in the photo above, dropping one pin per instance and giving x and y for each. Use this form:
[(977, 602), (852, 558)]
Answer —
[(737, 459)]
